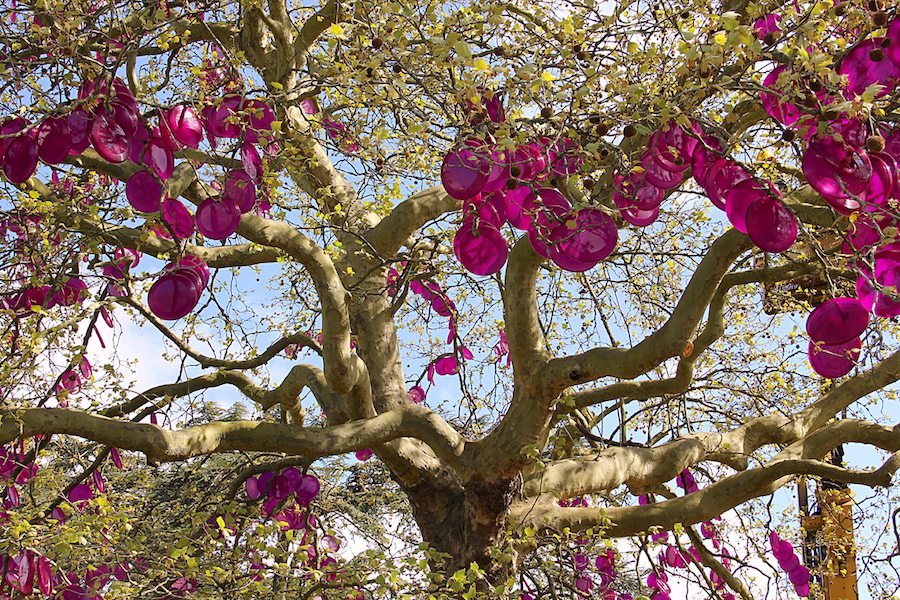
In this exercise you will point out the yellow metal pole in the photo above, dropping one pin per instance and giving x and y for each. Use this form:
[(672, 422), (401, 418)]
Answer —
[(839, 568)]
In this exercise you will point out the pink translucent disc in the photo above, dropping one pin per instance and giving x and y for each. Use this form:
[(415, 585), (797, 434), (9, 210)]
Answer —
[(308, 490), (588, 238), (722, 177), (770, 225), (862, 71), (181, 124), (159, 157), (827, 164), (516, 200), (109, 138), (481, 249), (658, 175), (54, 140), (799, 576), (261, 117), (636, 216), (222, 121), (482, 210), (144, 192), (177, 217), (217, 220), (884, 178), (251, 161), (192, 263), (834, 361), (173, 296), (880, 303), (240, 191), (79, 126), (738, 201), (20, 159), (837, 321), (464, 172), (565, 158), (498, 174), (783, 112)]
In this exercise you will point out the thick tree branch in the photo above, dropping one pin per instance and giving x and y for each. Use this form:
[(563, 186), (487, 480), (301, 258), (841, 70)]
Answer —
[(165, 445), (669, 340), (408, 217)]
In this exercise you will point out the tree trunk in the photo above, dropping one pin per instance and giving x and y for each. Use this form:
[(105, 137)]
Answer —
[(464, 522)]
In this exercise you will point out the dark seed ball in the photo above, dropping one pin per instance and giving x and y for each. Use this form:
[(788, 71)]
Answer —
[(515, 170), (876, 55), (880, 18), (788, 135), (397, 68), (377, 43), (629, 131), (546, 112), (875, 143), (511, 184)]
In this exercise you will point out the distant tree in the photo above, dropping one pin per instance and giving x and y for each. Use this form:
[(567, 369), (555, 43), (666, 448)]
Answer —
[(543, 259)]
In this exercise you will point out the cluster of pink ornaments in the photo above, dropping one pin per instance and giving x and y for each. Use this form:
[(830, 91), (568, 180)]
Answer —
[(854, 182), (107, 117)]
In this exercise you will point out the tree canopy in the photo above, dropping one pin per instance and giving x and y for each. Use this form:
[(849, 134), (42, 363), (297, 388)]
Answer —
[(447, 299)]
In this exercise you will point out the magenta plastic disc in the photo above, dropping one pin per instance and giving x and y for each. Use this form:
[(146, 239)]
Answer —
[(783, 112), (834, 361), (193, 263), (481, 249), (109, 138), (884, 178), (646, 196), (634, 215), (837, 321), (588, 238), (862, 71), (217, 220), (723, 177), (179, 218), (222, 122), (566, 262), (79, 127), (139, 144), (182, 124), (464, 172), (770, 225), (703, 158), (252, 162), (54, 140), (240, 191), (516, 201), (880, 303), (739, 199), (308, 490), (825, 161), (482, 210), (159, 157), (499, 172), (251, 486), (143, 191), (565, 158), (173, 296), (261, 117), (658, 175), (126, 116), (20, 159)]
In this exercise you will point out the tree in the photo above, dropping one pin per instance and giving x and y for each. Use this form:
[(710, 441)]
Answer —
[(367, 158)]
